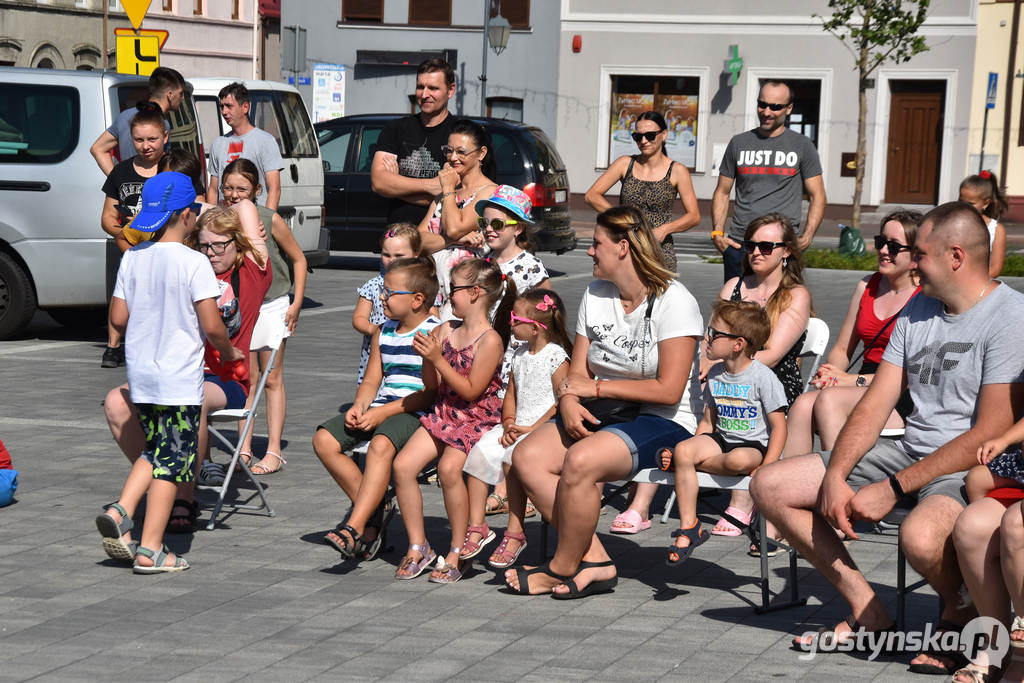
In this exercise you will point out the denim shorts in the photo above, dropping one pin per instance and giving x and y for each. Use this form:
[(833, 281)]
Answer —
[(232, 390), (646, 436)]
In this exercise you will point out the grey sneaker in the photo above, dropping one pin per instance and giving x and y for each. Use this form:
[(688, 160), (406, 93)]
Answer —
[(211, 475)]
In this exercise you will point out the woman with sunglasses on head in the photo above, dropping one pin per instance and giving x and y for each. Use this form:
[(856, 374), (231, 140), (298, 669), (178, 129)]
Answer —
[(650, 182), (450, 230), (636, 339), (772, 278)]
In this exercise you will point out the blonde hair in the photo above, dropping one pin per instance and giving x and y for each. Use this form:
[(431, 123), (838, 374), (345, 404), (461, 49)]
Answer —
[(792, 267), (626, 223), (224, 221), (406, 231)]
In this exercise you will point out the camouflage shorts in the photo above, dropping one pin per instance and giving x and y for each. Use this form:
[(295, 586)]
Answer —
[(171, 440)]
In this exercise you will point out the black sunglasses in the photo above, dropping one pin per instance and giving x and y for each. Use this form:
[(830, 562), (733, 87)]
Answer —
[(650, 135), (712, 334), (892, 246), (765, 248), (774, 106), (454, 288)]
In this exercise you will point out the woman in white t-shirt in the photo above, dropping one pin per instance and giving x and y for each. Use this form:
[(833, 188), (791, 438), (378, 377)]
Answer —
[(620, 337)]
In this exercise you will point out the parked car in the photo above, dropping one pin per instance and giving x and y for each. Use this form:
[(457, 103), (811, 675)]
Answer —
[(356, 216), (53, 253), (278, 109)]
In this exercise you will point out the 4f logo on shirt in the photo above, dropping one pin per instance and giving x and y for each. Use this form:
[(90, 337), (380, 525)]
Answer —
[(929, 363), (235, 150)]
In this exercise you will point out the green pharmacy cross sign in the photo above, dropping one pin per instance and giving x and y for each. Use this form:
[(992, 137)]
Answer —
[(734, 64)]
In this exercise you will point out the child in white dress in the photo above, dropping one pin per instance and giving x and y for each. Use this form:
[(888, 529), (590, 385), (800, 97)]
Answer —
[(538, 319)]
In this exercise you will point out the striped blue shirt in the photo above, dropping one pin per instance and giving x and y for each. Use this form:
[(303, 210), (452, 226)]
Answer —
[(403, 367)]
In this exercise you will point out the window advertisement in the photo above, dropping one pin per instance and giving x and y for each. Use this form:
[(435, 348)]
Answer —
[(626, 107), (680, 112), (328, 91)]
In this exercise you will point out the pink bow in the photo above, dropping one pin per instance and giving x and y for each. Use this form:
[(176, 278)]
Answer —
[(547, 304)]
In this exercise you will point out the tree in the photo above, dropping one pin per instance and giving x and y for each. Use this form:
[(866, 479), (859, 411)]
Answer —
[(875, 32)]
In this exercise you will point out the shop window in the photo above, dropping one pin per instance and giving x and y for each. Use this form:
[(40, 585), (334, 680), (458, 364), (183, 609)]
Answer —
[(431, 12), (516, 11), (508, 108), (363, 11), (674, 97)]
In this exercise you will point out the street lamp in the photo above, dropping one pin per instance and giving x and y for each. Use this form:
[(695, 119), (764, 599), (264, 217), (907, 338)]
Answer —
[(496, 31)]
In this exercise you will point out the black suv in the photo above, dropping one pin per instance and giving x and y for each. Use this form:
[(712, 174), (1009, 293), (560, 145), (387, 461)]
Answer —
[(526, 159)]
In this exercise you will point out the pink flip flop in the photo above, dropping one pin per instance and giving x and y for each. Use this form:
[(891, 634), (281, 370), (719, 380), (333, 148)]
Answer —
[(631, 521), (726, 528)]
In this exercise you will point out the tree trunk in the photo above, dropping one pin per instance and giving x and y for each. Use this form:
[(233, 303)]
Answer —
[(862, 113)]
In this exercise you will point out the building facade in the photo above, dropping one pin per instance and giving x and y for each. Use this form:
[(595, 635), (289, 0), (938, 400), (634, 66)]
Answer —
[(234, 38), (380, 43), (617, 60), (1004, 154)]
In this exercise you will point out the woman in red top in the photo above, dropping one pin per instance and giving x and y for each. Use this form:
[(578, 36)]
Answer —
[(876, 302)]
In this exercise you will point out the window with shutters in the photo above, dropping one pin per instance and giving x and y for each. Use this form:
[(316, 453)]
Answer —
[(363, 11), (516, 11), (432, 12)]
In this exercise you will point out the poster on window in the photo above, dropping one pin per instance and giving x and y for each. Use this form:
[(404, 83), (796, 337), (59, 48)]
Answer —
[(328, 91), (680, 112), (625, 109)]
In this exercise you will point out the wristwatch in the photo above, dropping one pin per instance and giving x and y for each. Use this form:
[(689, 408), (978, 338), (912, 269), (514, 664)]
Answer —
[(897, 488), (862, 381)]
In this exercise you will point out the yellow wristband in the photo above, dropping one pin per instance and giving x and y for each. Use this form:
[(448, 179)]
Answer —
[(717, 233)]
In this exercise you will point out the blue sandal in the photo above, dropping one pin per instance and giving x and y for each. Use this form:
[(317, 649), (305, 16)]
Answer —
[(112, 531), (158, 557), (697, 535)]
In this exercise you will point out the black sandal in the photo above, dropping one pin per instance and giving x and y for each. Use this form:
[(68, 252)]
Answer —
[(592, 588), (349, 545), (524, 579), (183, 523), (380, 520), (957, 658), (816, 645), (697, 535)]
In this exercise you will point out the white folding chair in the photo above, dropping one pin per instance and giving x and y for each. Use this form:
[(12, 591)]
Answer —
[(271, 340), (814, 347)]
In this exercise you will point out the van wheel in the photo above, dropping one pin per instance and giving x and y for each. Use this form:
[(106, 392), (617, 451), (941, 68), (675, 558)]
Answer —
[(79, 317), (17, 297)]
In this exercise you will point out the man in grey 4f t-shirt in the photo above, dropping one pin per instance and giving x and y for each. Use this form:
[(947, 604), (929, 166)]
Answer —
[(771, 167), (956, 349)]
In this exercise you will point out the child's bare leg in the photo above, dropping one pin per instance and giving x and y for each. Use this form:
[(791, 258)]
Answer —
[(980, 481), (501, 489), (158, 510), (516, 502), (476, 490), (421, 449), (456, 498), (123, 420), (379, 456), (139, 478), (343, 469), (688, 454)]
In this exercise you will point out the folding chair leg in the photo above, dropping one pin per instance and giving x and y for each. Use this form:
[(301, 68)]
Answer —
[(901, 586), (668, 507), (794, 591)]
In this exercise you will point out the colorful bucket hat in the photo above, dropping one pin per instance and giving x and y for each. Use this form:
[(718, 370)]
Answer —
[(510, 199)]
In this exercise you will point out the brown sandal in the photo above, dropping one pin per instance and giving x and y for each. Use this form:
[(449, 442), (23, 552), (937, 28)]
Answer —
[(500, 508)]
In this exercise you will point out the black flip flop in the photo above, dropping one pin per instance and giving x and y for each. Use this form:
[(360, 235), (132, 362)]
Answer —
[(524, 579), (957, 657), (697, 535), (189, 520), (592, 588), (855, 626)]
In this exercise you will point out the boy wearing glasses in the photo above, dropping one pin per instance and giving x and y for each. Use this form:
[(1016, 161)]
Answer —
[(385, 410), (771, 167), (164, 302), (744, 423)]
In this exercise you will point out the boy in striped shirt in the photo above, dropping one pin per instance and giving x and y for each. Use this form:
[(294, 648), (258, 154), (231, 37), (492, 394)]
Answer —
[(385, 410)]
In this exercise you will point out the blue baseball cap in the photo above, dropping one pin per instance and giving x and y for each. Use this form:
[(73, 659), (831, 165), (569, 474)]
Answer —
[(162, 195)]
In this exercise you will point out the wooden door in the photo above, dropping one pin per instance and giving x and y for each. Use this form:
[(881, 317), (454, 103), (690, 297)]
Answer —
[(915, 139)]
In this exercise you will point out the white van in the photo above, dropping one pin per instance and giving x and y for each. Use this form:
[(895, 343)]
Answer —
[(278, 109), (53, 253)]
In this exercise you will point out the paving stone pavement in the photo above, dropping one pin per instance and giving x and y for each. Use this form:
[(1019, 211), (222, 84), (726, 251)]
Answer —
[(266, 600)]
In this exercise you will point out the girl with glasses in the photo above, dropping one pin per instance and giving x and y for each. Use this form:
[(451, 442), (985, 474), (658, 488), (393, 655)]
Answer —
[(539, 364), (240, 181), (650, 182), (449, 230), (772, 278)]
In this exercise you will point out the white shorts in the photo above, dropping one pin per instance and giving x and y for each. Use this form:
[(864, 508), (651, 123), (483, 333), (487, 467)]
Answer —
[(270, 325)]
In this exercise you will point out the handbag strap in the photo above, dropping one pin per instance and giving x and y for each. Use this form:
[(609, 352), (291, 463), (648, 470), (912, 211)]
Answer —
[(871, 343), (647, 332)]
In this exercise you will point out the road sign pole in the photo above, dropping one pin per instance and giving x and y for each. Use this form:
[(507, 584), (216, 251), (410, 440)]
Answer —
[(984, 131)]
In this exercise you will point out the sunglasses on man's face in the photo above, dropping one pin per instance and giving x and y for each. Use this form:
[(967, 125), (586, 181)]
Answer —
[(765, 248), (496, 224), (649, 135), (774, 106), (892, 246)]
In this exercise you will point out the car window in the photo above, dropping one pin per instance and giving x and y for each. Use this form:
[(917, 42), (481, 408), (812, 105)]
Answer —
[(185, 129), (334, 147), (262, 115), (129, 95), (506, 154), (208, 112), (296, 122), (38, 124), (367, 148), (548, 160)]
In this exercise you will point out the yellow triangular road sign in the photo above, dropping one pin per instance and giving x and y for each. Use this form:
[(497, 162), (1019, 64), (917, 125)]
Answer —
[(136, 10)]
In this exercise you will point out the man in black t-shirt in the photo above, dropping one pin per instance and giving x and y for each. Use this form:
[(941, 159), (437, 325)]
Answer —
[(408, 156)]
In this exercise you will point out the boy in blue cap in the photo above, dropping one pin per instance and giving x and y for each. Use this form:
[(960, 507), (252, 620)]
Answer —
[(165, 300)]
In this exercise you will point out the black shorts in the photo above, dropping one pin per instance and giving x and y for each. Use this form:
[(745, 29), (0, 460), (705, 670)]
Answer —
[(727, 446)]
